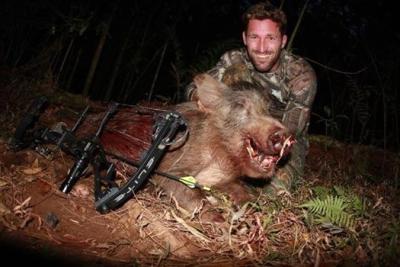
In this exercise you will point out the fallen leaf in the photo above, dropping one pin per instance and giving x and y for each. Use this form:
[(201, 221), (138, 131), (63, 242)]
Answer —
[(35, 163), (32, 171), (3, 183), (4, 210), (191, 229), (24, 204)]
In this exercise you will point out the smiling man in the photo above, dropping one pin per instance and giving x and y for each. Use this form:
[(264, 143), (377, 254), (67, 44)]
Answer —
[(288, 80)]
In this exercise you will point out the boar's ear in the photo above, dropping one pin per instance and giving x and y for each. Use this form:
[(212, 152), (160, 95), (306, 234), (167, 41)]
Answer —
[(209, 91)]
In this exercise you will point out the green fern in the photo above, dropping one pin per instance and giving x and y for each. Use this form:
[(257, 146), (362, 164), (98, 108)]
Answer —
[(340, 191), (321, 191), (330, 210), (354, 202)]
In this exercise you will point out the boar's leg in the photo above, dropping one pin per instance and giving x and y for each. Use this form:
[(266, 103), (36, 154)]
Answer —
[(236, 192), (189, 199)]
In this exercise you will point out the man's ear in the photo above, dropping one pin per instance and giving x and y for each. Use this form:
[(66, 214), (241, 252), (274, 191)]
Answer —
[(244, 38), (284, 41), (210, 92)]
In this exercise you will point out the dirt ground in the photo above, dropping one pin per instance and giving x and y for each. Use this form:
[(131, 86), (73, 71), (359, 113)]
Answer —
[(41, 225), (45, 226)]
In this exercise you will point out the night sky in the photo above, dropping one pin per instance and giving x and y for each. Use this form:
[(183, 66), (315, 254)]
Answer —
[(152, 49)]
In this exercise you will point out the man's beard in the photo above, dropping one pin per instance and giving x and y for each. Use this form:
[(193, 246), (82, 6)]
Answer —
[(263, 62)]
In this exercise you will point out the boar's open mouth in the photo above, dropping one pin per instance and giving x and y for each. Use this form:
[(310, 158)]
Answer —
[(267, 158)]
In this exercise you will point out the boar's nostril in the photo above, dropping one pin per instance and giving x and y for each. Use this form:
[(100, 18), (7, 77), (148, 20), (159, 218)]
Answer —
[(275, 141)]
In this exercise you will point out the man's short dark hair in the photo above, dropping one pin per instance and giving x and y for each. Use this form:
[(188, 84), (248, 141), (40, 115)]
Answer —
[(265, 10)]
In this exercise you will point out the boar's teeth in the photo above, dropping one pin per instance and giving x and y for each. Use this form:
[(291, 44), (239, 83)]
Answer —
[(251, 152), (286, 146), (252, 148)]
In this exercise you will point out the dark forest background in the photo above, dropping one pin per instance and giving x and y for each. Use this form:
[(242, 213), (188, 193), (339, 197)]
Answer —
[(129, 51)]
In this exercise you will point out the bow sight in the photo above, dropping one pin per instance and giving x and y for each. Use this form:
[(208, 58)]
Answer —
[(89, 152)]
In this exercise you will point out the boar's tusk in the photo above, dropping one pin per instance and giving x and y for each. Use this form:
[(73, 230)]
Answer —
[(286, 146)]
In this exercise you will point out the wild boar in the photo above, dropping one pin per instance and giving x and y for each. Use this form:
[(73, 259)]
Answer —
[(231, 136)]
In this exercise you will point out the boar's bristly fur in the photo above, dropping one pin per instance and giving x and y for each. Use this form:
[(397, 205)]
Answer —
[(231, 135)]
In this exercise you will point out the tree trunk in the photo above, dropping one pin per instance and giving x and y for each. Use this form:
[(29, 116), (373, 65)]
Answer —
[(97, 54), (118, 64), (296, 28), (157, 71), (72, 73), (71, 42)]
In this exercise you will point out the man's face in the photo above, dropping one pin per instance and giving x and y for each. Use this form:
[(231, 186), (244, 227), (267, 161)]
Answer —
[(264, 43)]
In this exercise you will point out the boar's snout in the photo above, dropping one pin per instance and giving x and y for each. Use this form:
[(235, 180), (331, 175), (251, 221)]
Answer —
[(280, 142), (264, 156)]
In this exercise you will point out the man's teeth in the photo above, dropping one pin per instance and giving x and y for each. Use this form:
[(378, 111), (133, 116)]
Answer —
[(263, 56)]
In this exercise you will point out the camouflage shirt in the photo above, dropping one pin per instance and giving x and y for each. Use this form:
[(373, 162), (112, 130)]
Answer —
[(291, 87)]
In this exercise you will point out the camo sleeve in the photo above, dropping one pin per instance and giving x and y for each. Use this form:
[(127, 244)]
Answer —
[(302, 84), (217, 72)]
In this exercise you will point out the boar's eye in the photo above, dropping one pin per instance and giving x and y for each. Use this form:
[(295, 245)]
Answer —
[(241, 106)]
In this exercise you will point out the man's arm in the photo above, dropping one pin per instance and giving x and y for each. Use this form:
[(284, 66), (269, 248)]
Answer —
[(303, 87)]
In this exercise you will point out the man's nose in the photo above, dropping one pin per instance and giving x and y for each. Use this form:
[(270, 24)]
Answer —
[(261, 45)]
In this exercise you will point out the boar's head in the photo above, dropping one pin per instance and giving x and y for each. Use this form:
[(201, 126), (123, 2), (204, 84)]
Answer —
[(253, 139)]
